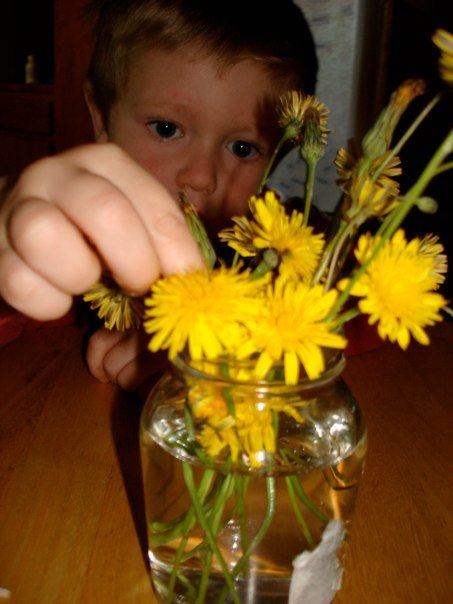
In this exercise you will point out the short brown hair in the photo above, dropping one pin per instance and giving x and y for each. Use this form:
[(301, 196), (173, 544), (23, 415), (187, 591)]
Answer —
[(273, 32)]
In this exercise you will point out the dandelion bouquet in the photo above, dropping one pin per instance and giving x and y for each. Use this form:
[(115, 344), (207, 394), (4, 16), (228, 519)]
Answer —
[(264, 422)]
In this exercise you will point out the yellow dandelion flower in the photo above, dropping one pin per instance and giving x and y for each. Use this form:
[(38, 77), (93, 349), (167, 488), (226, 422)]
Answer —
[(364, 190), (396, 289), (289, 406), (243, 426), (249, 434), (444, 41), (211, 441), (119, 310), (205, 310), (293, 329), (348, 164), (238, 372), (216, 422), (218, 439), (370, 198), (240, 236), (207, 402), (431, 248), (297, 246), (255, 430)]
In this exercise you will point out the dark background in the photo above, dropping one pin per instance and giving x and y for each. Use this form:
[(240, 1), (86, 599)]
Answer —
[(26, 27), (412, 54)]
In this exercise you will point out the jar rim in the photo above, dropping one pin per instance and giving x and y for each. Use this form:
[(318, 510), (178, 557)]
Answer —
[(335, 366)]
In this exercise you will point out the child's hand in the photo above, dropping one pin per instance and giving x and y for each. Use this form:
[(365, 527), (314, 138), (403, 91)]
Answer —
[(72, 215), (124, 359)]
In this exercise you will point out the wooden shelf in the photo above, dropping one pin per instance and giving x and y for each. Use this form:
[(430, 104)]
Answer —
[(30, 89), (42, 119)]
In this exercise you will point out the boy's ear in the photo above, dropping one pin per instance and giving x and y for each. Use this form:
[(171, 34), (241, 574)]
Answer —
[(99, 129)]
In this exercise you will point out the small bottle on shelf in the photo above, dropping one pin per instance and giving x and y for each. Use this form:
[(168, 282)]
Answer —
[(30, 70)]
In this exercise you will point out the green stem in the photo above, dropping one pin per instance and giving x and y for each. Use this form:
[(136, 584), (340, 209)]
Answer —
[(193, 552), (309, 188), (191, 435), (347, 316), (299, 516), (189, 424), (201, 495), (207, 561), (270, 511), (202, 519), (403, 140), (444, 168), (178, 557), (270, 260), (164, 532), (270, 164), (299, 490), (395, 218), (215, 519), (341, 241), (327, 255), (227, 394), (307, 502), (448, 311), (241, 490)]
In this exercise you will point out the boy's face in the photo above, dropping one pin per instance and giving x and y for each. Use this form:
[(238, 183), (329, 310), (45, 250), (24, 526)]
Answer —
[(198, 130)]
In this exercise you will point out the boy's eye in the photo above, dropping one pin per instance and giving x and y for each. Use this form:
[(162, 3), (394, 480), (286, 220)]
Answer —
[(164, 129), (243, 149)]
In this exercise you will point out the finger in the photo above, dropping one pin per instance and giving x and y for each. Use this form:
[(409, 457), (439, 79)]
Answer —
[(106, 220), (125, 361), (52, 246), (28, 292), (99, 345), (113, 226), (123, 358), (174, 246)]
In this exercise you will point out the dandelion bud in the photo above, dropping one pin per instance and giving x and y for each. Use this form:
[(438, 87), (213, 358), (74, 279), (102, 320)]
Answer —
[(271, 258), (428, 205), (312, 147), (377, 140), (197, 229)]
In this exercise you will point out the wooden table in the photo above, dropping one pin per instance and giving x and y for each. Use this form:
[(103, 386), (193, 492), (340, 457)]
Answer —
[(72, 526)]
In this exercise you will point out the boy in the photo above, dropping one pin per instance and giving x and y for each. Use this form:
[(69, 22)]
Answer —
[(181, 95)]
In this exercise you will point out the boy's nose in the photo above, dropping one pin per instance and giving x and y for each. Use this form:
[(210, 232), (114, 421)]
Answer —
[(198, 173)]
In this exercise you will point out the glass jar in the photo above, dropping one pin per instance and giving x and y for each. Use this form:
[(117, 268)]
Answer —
[(249, 487)]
